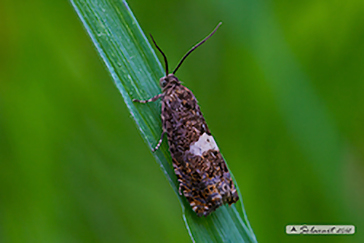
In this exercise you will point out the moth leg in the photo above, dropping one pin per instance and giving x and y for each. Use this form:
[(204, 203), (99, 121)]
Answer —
[(150, 100), (159, 142)]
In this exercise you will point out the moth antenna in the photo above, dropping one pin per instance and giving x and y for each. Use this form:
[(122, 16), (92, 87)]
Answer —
[(164, 56), (195, 46)]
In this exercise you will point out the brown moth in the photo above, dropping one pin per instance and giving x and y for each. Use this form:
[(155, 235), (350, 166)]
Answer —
[(203, 176)]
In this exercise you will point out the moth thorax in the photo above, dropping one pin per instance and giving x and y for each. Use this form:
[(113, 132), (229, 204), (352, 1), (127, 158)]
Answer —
[(169, 80)]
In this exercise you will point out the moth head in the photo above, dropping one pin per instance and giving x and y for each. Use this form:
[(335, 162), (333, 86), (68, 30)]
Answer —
[(169, 81)]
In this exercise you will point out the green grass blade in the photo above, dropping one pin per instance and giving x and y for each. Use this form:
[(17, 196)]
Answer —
[(136, 70)]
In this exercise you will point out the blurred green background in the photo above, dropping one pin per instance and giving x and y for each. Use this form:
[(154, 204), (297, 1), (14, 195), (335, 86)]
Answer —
[(280, 84)]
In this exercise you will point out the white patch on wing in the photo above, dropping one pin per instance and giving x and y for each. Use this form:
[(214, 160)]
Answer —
[(205, 143)]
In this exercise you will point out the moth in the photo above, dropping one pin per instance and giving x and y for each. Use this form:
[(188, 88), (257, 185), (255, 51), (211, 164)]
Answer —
[(202, 174)]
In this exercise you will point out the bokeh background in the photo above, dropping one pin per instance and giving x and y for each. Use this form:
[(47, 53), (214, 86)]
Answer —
[(280, 84)]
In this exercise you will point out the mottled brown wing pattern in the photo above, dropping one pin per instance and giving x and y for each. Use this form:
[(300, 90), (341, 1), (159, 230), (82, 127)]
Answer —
[(201, 171)]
